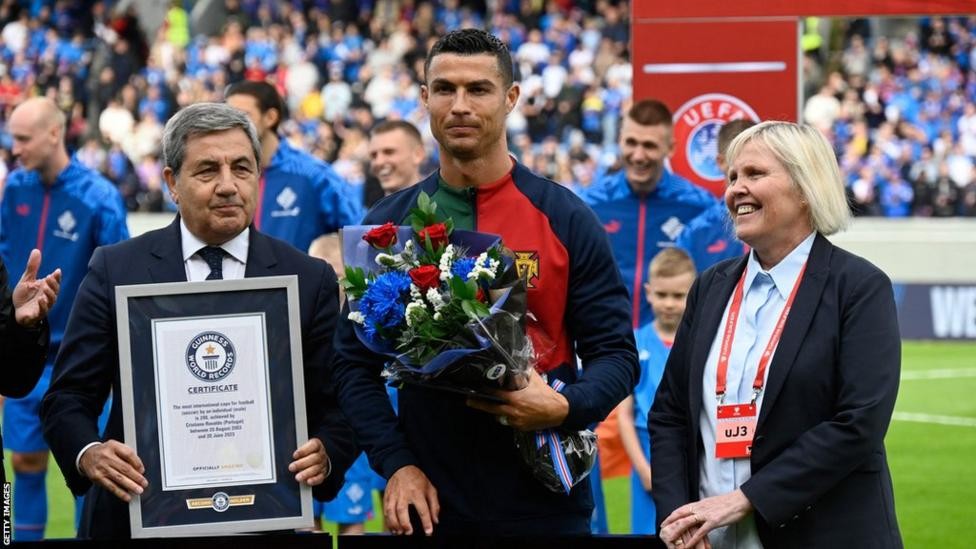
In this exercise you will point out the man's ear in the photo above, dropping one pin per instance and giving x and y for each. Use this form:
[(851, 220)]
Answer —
[(170, 179), (272, 117)]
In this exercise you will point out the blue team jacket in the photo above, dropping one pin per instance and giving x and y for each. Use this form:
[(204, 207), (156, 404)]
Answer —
[(710, 238), (302, 198), (79, 212), (639, 226)]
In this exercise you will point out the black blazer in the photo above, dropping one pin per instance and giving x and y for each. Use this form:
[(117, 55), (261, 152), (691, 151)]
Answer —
[(87, 366), (819, 473), (22, 351)]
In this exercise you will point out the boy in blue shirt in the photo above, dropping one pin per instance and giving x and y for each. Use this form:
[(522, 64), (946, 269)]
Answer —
[(671, 274)]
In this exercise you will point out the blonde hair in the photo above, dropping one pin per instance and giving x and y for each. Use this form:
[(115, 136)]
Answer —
[(811, 165), (671, 262)]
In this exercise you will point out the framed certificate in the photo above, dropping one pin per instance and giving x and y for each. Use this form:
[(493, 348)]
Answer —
[(213, 401)]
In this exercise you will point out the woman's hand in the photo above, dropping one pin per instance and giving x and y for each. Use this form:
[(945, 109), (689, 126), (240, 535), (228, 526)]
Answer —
[(698, 518)]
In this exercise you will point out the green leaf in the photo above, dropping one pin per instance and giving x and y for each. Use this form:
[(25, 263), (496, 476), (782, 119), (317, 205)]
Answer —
[(481, 309), (449, 224), (423, 201), (461, 290), (468, 306)]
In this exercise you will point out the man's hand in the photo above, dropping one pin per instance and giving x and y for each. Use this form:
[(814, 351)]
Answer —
[(33, 298), (536, 406), (115, 467), (410, 486), (311, 463)]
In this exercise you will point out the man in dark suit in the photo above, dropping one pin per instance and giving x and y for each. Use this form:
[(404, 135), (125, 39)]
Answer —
[(211, 155), (24, 333)]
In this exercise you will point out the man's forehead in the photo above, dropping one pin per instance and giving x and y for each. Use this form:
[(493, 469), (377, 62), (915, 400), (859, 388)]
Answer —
[(226, 145), (631, 129), (452, 66)]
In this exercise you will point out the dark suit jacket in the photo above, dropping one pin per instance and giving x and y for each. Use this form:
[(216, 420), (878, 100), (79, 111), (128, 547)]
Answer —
[(87, 366), (22, 351), (819, 473)]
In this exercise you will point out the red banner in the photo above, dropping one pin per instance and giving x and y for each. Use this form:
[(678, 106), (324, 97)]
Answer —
[(748, 70), (658, 9)]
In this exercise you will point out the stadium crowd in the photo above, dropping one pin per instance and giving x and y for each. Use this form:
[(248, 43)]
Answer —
[(901, 113)]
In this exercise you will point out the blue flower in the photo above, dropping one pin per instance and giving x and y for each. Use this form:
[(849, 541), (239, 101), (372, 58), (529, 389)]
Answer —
[(462, 267), (382, 304)]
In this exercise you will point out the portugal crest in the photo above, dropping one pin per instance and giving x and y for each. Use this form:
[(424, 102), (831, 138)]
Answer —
[(210, 356), (527, 266)]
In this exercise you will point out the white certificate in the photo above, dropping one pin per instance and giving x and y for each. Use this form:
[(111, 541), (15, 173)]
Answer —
[(212, 401)]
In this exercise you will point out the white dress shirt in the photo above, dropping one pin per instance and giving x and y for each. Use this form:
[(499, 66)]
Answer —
[(764, 296), (234, 262)]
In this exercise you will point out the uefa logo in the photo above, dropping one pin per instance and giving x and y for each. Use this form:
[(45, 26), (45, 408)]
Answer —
[(696, 126), (210, 356)]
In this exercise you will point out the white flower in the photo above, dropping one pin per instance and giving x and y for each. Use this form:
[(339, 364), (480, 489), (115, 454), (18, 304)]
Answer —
[(385, 260), (416, 312), (415, 292), (357, 317), (483, 267), (435, 299), (447, 260), (438, 316)]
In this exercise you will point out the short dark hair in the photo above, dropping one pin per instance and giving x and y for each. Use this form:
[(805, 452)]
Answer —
[(650, 112), (264, 93), (392, 125), (731, 129), (473, 42)]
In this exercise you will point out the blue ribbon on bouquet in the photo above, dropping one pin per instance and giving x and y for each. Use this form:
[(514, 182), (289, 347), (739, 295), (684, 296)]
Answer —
[(552, 438)]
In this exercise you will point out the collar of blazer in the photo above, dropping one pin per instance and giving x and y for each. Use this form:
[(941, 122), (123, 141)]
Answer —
[(712, 306), (168, 265)]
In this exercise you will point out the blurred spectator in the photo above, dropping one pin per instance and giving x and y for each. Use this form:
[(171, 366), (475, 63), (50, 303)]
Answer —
[(330, 58)]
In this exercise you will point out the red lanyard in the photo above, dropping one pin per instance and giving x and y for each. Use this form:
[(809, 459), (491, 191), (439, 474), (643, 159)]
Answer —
[(729, 335)]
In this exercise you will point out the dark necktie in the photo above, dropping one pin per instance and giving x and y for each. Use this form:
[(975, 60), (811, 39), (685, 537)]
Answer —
[(214, 257)]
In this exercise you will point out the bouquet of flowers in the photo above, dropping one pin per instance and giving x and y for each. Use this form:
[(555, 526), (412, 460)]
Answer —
[(448, 308)]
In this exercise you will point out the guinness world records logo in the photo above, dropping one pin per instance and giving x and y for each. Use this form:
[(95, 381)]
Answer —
[(210, 356), (696, 126)]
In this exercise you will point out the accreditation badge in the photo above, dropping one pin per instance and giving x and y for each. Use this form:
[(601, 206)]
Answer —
[(734, 430)]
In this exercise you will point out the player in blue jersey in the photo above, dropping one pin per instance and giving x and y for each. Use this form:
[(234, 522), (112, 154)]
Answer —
[(57, 205), (644, 206), (671, 274), (710, 237), (300, 197)]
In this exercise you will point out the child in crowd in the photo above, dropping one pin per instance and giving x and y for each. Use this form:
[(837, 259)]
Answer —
[(671, 274)]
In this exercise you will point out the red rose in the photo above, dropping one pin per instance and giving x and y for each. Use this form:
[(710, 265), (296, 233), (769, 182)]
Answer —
[(437, 233), (480, 296), (426, 277), (382, 237)]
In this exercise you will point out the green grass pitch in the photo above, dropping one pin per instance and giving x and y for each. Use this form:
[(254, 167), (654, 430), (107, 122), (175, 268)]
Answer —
[(930, 451)]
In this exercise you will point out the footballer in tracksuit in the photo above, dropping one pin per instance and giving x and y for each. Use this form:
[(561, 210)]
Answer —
[(301, 198), (582, 306), (640, 225), (67, 220)]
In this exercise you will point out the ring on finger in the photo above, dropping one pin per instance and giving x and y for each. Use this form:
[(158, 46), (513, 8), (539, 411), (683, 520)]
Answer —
[(503, 420)]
